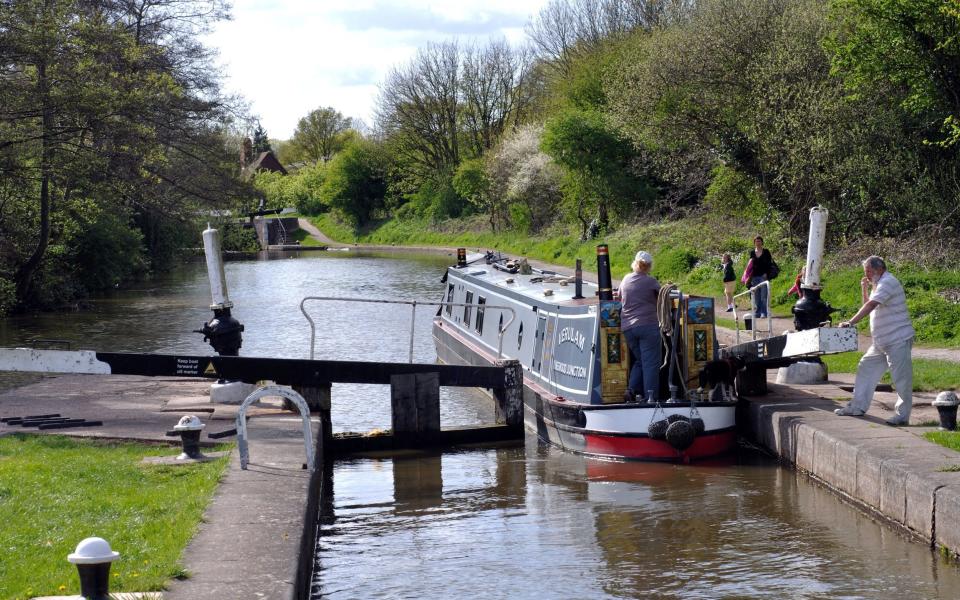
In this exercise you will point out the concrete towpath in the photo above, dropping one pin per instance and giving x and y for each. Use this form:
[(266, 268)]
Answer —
[(255, 529)]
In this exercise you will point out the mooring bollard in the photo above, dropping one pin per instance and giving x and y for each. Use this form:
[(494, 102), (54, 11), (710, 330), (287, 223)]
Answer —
[(93, 557), (189, 429), (946, 404)]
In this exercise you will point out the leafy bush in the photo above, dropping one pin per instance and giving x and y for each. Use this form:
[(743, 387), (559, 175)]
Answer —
[(521, 219), (733, 193), (434, 200), (309, 198), (234, 237), (8, 296), (674, 262), (58, 283), (109, 252), (302, 189), (356, 181)]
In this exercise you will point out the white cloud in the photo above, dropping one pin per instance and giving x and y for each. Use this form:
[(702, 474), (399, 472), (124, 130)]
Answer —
[(288, 57)]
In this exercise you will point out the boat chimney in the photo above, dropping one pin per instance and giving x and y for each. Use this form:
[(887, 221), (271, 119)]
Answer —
[(810, 311), (604, 280), (461, 257), (578, 281)]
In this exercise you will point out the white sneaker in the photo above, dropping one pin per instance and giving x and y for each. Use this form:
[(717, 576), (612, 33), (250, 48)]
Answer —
[(848, 411)]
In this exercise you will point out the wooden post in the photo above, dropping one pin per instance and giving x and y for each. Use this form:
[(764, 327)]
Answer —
[(752, 381), (415, 404), (509, 398)]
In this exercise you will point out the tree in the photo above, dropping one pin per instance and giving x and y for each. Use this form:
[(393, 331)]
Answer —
[(913, 45), (261, 142), (448, 104), (471, 182), (596, 158), (495, 92), (745, 86), (520, 173), (320, 134), (356, 180), (564, 29), (419, 111), (106, 100)]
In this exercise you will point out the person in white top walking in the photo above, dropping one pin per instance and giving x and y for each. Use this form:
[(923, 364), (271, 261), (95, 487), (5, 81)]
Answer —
[(893, 334)]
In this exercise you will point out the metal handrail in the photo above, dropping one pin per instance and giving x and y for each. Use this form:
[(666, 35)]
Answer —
[(284, 392), (753, 324), (413, 316)]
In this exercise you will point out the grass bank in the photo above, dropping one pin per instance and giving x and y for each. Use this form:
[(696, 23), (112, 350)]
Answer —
[(56, 491), (947, 439), (687, 252)]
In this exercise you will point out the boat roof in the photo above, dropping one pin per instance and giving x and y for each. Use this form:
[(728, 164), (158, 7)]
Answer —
[(540, 285)]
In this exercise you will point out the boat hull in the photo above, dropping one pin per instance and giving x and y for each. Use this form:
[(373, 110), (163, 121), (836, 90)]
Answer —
[(616, 431), (635, 445)]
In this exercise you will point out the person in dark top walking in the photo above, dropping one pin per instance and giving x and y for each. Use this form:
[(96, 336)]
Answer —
[(761, 271), (729, 280)]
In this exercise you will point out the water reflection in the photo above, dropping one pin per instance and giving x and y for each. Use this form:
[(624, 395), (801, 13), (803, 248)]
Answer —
[(514, 523)]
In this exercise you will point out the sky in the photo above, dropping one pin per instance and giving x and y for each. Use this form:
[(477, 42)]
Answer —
[(288, 57)]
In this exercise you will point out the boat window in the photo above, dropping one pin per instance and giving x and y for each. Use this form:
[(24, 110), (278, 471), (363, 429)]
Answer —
[(467, 309), (500, 325), (520, 336), (538, 343), (480, 302), (449, 300)]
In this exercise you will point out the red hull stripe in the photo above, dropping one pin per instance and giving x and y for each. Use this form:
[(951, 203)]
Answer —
[(647, 449)]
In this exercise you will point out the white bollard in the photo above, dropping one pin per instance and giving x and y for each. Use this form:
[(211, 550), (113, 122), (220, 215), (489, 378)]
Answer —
[(802, 372), (93, 557), (218, 279), (815, 243)]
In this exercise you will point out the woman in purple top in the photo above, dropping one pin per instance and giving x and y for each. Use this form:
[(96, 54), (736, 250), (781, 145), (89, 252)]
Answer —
[(638, 320)]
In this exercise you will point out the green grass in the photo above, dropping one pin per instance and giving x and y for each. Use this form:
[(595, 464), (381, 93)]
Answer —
[(56, 491), (686, 252), (305, 239), (948, 439), (929, 375)]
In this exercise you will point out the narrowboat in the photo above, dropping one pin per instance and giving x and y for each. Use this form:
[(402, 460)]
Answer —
[(566, 334)]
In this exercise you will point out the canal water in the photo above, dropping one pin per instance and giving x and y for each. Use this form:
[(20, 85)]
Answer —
[(515, 522)]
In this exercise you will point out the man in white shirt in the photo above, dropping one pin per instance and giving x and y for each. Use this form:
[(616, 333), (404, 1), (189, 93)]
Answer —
[(892, 343)]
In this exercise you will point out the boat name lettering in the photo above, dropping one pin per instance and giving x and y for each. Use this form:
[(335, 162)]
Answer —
[(569, 334), (571, 370)]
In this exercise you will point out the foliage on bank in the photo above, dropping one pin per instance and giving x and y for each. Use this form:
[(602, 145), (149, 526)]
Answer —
[(55, 491), (114, 142), (632, 112)]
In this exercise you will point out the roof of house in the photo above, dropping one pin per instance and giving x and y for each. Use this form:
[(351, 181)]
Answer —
[(265, 161)]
